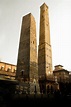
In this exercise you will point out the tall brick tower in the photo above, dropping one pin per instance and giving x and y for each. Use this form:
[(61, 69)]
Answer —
[(44, 49), (27, 54)]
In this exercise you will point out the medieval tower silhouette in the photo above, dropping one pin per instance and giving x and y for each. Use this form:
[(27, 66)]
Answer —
[(27, 54), (44, 48)]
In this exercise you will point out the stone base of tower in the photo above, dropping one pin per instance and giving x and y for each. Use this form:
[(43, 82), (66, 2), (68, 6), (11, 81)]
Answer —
[(34, 88), (29, 88)]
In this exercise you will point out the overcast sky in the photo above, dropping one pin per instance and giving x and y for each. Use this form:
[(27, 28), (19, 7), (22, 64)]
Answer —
[(11, 13)]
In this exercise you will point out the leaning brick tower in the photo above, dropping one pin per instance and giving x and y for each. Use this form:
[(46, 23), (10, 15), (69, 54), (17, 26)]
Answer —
[(27, 70)]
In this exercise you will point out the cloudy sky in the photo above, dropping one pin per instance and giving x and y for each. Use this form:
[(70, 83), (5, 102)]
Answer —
[(11, 13)]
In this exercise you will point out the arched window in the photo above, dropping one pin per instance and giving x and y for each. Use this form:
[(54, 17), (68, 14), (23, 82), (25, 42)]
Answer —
[(33, 42), (2, 67), (9, 69)]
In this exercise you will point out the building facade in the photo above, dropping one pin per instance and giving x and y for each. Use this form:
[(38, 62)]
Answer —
[(61, 74), (7, 71)]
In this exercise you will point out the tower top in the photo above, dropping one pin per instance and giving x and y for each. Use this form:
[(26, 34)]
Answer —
[(44, 4), (29, 14)]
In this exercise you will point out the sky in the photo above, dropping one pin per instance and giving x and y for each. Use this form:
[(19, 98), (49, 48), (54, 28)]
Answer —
[(11, 13)]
